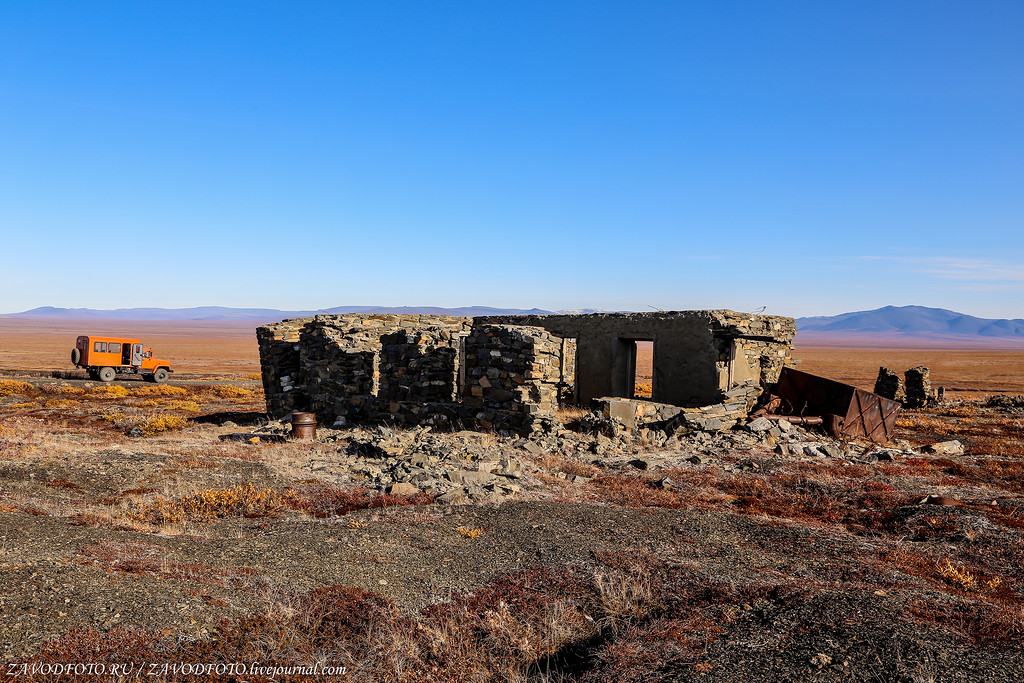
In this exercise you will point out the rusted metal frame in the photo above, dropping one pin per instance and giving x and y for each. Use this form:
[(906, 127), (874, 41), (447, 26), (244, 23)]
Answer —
[(871, 428)]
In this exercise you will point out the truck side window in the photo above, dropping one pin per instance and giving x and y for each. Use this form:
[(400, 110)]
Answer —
[(114, 347), (100, 346)]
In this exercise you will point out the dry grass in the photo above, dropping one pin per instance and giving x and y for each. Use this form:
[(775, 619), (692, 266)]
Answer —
[(160, 390), (109, 391), (571, 415), (187, 406), (161, 423), (208, 504), (9, 387)]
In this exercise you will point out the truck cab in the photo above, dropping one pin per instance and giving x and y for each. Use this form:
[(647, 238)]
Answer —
[(104, 358)]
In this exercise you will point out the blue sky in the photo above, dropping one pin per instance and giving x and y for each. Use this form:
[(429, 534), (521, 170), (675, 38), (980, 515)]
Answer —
[(810, 157)]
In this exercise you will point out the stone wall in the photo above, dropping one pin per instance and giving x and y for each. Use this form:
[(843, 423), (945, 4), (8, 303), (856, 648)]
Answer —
[(336, 365), (419, 365), (766, 342), (279, 345), (512, 376), (509, 373), (889, 385), (699, 356), (918, 385)]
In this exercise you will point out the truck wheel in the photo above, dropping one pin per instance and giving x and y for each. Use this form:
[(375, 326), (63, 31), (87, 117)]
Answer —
[(76, 355), (107, 374), (160, 375)]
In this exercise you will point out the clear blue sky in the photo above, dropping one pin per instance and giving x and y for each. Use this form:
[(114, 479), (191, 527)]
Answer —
[(811, 157)]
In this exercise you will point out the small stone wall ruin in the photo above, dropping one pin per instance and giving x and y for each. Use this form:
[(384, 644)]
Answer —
[(510, 373)]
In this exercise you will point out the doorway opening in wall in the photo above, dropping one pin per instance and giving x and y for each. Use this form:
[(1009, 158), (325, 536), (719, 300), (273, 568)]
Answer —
[(643, 368), (567, 390)]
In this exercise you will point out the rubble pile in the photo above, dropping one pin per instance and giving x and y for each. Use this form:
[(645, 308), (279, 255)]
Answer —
[(1006, 403), (463, 467), (454, 467)]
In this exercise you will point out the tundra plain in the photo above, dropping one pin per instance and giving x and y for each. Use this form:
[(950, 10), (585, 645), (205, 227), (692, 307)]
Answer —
[(131, 532)]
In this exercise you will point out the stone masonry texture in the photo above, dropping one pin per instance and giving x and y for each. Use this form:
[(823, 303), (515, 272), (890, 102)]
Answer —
[(889, 385), (918, 386), (510, 373)]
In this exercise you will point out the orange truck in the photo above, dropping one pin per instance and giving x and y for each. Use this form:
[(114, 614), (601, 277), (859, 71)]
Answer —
[(107, 357)]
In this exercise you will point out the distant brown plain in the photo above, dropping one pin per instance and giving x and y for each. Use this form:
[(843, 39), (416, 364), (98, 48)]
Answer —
[(194, 348)]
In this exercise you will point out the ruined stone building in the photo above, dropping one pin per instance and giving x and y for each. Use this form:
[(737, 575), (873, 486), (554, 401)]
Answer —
[(510, 373)]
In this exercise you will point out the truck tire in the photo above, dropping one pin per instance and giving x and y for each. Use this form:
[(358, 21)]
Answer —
[(76, 355), (106, 374), (160, 375)]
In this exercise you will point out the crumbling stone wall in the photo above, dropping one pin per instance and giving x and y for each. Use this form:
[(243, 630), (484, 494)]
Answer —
[(419, 371), (889, 385), (700, 357), (335, 365), (279, 345), (918, 387), (507, 372), (765, 343), (419, 365), (513, 375)]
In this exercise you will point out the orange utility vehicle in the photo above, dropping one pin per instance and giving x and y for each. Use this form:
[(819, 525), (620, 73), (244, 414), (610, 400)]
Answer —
[(107, 357)]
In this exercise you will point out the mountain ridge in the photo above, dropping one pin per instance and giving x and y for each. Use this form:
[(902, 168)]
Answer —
[(897, 321), (914, 321)]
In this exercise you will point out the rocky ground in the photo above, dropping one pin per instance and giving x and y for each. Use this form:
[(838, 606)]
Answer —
[(761, 553)]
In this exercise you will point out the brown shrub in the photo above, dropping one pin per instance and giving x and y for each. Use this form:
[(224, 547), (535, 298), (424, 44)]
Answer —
[(327, 501)]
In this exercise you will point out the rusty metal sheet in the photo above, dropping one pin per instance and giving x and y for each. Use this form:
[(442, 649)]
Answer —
[(848, 412)]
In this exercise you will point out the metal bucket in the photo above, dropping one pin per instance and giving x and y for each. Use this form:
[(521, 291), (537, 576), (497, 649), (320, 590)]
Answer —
[(303, 425)]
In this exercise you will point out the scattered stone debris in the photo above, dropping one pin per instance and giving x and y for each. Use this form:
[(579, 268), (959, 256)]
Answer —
[(466, 466), (258, 436), (1006, 403)]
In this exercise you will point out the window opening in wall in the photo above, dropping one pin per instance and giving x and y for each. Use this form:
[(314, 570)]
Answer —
[(643, 368)]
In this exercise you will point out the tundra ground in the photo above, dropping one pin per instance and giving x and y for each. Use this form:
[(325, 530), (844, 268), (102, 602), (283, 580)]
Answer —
[(129, 532)]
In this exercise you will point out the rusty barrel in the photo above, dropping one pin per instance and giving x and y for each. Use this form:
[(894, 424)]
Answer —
[(303, 425)]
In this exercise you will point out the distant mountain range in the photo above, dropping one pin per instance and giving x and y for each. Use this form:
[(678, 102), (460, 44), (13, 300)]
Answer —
[(220, 313), (913, 321), (890, 321)]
